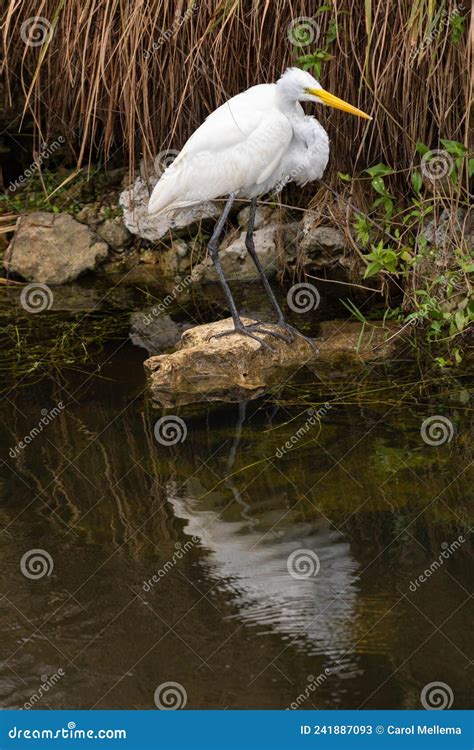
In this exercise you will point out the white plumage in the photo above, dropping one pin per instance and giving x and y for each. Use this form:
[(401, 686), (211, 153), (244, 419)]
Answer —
[(254, 143)]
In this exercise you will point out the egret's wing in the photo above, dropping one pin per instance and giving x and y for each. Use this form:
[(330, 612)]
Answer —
[(238, 146)]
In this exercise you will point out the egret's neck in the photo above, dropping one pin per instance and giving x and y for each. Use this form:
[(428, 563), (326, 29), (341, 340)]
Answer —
[(309, 130), (285, 101)]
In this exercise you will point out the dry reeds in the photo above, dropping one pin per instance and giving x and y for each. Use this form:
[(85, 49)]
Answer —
[(135, 77)]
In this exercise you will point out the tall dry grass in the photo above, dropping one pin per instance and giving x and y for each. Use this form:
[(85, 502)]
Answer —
[(98, 81)]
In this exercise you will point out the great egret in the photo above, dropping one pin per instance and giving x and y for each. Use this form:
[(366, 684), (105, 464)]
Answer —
[(255, 143)]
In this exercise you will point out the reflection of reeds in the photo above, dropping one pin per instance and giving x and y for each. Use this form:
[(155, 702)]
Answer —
[(94, 474), (146, 73)]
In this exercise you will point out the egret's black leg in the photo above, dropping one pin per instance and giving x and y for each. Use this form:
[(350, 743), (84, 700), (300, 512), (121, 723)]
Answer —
[(213, 248), (250, 245)]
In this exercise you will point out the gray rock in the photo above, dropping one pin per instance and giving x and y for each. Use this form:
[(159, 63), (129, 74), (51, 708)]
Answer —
[(155, 332), (53, 248), (441, 231), (263, 215), (322, 245), (134, 202), (89, 214), (115, 233), (236, 261)]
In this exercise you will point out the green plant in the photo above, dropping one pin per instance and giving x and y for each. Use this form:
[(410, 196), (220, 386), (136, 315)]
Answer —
[(314, 60), (435, 274)]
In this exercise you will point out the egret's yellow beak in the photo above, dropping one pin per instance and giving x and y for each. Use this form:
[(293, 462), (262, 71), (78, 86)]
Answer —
[(334, 101)]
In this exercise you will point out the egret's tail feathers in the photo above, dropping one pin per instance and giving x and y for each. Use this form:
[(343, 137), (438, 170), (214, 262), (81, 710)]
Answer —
[(188, 183), (163, 197)]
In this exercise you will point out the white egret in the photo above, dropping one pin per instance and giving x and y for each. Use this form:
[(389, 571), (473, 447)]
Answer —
[(254, 144)]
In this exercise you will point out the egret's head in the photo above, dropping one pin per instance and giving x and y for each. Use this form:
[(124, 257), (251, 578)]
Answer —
[(299, 86)]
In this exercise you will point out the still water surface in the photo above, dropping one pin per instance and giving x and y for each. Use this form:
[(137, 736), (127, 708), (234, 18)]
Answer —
[(171, 563)]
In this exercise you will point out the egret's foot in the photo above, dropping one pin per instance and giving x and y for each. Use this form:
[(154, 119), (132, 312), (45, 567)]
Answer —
[(259, 329), (292, 331), (245, 331)]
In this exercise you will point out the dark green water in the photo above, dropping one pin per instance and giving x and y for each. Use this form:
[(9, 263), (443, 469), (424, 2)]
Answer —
[(215, 519)]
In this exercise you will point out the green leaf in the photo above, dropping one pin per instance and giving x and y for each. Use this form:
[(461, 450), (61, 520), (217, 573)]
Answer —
[(417, 182), (454, 147), (457, 357), (456, 22), (421, 148), (459, 320), (372, 269), (323, 9), (344, 177), (379, 186), (362, 229), (379, 170)]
